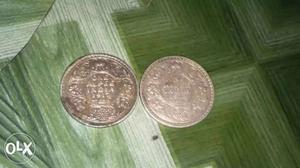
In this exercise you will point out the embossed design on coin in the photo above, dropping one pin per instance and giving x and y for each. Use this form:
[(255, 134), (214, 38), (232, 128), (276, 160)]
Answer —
[(177, 91), (99, 90)]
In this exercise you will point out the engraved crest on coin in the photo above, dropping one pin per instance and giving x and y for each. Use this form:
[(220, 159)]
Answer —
[(177, 91), (99, 90)]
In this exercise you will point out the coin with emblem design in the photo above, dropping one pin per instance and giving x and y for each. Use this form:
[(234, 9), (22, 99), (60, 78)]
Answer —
[(99, 90), (176, 91)]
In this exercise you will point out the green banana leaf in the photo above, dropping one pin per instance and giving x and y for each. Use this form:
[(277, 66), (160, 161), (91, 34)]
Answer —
[(250, 49)]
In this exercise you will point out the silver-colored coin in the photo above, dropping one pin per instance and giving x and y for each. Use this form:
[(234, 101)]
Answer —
[(99, 90), (176, 91)]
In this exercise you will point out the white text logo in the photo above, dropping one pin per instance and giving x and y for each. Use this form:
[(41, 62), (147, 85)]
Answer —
[(19, 148)]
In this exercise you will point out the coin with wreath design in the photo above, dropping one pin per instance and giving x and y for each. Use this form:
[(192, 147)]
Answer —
[(99, 90)]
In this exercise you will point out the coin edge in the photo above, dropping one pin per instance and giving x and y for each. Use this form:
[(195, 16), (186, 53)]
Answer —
[(169, 124), (71, 65)]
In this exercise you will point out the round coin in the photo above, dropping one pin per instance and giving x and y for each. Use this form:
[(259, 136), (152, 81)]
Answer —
[(99, 90), (176, 91)]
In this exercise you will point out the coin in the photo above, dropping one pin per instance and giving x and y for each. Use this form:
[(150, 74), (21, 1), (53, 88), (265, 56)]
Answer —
[(99, 90), (176, 91)]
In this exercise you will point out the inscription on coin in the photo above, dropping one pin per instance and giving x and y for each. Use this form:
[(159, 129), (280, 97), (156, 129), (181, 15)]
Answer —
[(177, 91), (99, 90)]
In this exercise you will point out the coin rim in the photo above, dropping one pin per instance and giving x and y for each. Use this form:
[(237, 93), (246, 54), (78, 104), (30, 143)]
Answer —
[(91, 55), (156, 117)]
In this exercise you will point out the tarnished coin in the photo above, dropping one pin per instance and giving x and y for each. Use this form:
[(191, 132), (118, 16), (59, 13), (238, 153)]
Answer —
[(99, 90), (177, 91)]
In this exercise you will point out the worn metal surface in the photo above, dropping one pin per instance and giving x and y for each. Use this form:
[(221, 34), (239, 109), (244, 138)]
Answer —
[(177, 91), (99, 90)]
